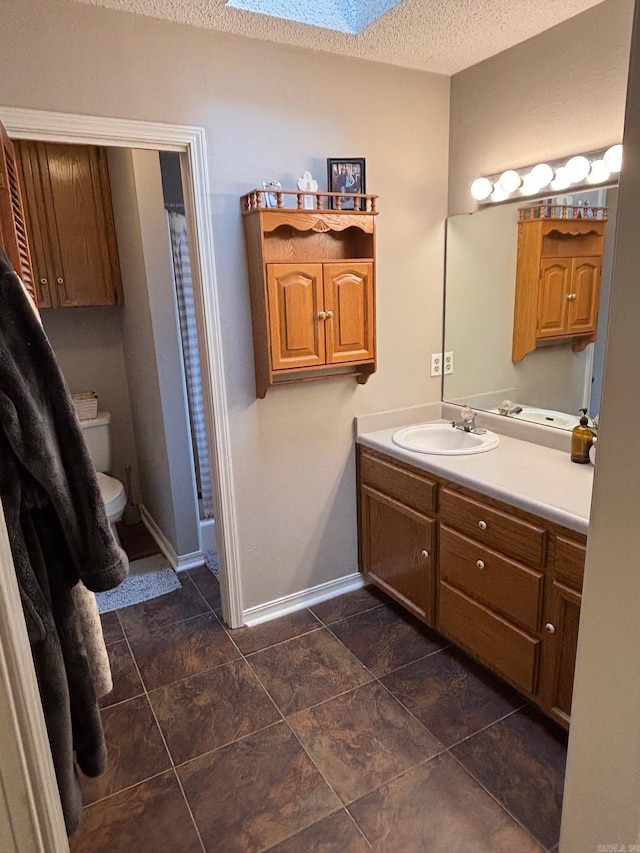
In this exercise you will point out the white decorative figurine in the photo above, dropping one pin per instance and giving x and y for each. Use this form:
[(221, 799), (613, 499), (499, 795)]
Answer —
[(306, 182)]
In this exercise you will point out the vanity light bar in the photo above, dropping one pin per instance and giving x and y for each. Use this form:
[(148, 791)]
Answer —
[(583, 170)]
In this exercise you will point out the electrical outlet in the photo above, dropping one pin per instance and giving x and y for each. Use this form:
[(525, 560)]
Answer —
[(436, 364), (448, 362)]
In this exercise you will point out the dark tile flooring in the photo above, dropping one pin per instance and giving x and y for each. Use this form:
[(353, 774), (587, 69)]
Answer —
[(342, 728)]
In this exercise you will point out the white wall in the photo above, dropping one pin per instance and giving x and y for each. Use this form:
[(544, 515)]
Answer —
[(151, 348), (87, 343), (272, 112)]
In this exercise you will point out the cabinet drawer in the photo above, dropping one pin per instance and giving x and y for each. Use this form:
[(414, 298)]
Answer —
[(569, 561), (489, 526), (506, 586), (505, 648), (411, 489)]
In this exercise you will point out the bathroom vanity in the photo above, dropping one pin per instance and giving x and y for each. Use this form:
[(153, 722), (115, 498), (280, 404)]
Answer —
[(487, 549)]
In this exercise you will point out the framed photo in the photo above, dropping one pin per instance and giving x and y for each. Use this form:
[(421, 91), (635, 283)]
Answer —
[(345, 175)]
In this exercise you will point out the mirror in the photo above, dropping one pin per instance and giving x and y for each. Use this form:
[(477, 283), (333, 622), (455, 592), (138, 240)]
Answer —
[(553, 382)]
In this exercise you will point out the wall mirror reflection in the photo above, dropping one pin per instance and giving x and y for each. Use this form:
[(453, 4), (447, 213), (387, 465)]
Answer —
[(560, 373)]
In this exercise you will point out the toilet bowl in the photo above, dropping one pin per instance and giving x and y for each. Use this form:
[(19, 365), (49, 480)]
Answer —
[(114, 498), (97, 436)]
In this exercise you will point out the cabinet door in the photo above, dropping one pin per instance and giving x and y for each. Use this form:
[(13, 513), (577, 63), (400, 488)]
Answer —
[(13, 230), (585, 294), (560, 642), (398, 552), (348, 301), (81, 228), (295, 324), (31, 169), (553, 302)]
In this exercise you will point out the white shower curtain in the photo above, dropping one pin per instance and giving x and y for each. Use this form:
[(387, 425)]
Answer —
[(187, 315)]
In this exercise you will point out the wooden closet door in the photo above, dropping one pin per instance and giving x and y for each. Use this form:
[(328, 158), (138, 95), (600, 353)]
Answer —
[(296, 324), (13, 228), (349, 303), (82, 233)]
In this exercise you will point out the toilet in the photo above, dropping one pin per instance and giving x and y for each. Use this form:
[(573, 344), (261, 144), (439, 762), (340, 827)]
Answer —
[(97, 437)]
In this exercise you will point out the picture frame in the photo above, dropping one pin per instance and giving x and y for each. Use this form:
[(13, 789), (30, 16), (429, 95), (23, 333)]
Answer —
[(345, 175), (270, 197)]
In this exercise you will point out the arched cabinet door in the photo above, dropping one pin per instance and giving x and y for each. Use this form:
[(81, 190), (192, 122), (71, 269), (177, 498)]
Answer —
[(349, 303), (13, 230), (296, 316)]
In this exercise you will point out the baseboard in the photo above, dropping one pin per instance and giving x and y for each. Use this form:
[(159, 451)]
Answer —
[(179, 562), (299, 600)]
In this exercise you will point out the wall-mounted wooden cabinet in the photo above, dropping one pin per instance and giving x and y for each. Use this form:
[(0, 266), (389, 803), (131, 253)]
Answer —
[(312, 284), (557, 276), (70, 224), (501, 583)]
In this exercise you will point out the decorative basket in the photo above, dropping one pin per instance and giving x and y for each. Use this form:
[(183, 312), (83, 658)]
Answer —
[(86, 405)]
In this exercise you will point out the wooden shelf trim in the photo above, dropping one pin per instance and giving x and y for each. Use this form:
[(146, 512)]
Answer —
[(362, 203)]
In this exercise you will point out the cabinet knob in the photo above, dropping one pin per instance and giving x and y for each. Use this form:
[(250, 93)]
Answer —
[(571, 296), (329, 315), (480, 564), (425, 554), (482, 525), (322, 315), (60, 280), (551, 629), (43, 281)]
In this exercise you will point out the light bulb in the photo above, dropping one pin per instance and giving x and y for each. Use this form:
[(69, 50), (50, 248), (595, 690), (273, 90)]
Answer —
[(599, 172), (578, 169), (530, 185), (562, 179), (509, 181), (498, 194), (542, 174), (481, 188), (613, 158)]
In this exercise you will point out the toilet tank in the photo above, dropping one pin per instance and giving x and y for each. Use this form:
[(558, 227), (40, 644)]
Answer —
[(97, 437)]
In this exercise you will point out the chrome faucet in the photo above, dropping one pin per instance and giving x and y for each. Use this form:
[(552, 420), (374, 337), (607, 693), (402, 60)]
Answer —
[(509, 408), (468, 422)]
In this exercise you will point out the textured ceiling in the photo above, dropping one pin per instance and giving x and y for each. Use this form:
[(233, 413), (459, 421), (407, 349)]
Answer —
[(444, 36)]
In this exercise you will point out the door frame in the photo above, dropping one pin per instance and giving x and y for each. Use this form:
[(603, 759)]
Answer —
[(190, 142)]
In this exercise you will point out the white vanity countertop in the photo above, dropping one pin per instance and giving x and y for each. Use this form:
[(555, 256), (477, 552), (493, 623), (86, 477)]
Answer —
[(534, 478)]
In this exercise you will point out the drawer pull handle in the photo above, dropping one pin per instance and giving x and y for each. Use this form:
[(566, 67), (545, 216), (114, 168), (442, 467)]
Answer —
[(551, 629), (482, 525), (480, 564), (425, 554)]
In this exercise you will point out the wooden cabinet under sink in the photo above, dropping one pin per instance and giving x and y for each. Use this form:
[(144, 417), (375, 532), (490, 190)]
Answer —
[(499, 582)]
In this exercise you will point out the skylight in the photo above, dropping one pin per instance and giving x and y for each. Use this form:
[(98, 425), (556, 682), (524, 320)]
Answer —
[(346, 16)]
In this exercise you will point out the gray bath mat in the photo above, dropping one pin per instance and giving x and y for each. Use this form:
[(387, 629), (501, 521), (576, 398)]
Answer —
[(147, 578)]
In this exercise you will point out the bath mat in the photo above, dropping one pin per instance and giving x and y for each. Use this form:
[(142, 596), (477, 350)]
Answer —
[(211, 562), (148, 578)]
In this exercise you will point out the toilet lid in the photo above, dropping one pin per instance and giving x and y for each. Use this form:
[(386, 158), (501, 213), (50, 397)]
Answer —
[(110, 488)]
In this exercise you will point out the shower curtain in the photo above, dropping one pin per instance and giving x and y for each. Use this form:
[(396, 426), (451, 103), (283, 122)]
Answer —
[(187, 315)]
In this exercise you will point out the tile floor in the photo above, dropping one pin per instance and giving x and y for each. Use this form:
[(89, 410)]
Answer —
[(342, 728)]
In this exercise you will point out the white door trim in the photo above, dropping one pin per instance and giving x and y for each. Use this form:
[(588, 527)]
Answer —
[(125, 133), (31, 818)]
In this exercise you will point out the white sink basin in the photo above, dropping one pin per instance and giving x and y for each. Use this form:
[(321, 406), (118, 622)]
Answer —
[(444, 440), (548, 417)]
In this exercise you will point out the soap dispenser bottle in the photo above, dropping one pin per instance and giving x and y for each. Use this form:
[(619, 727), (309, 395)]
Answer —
[(581, 440)]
